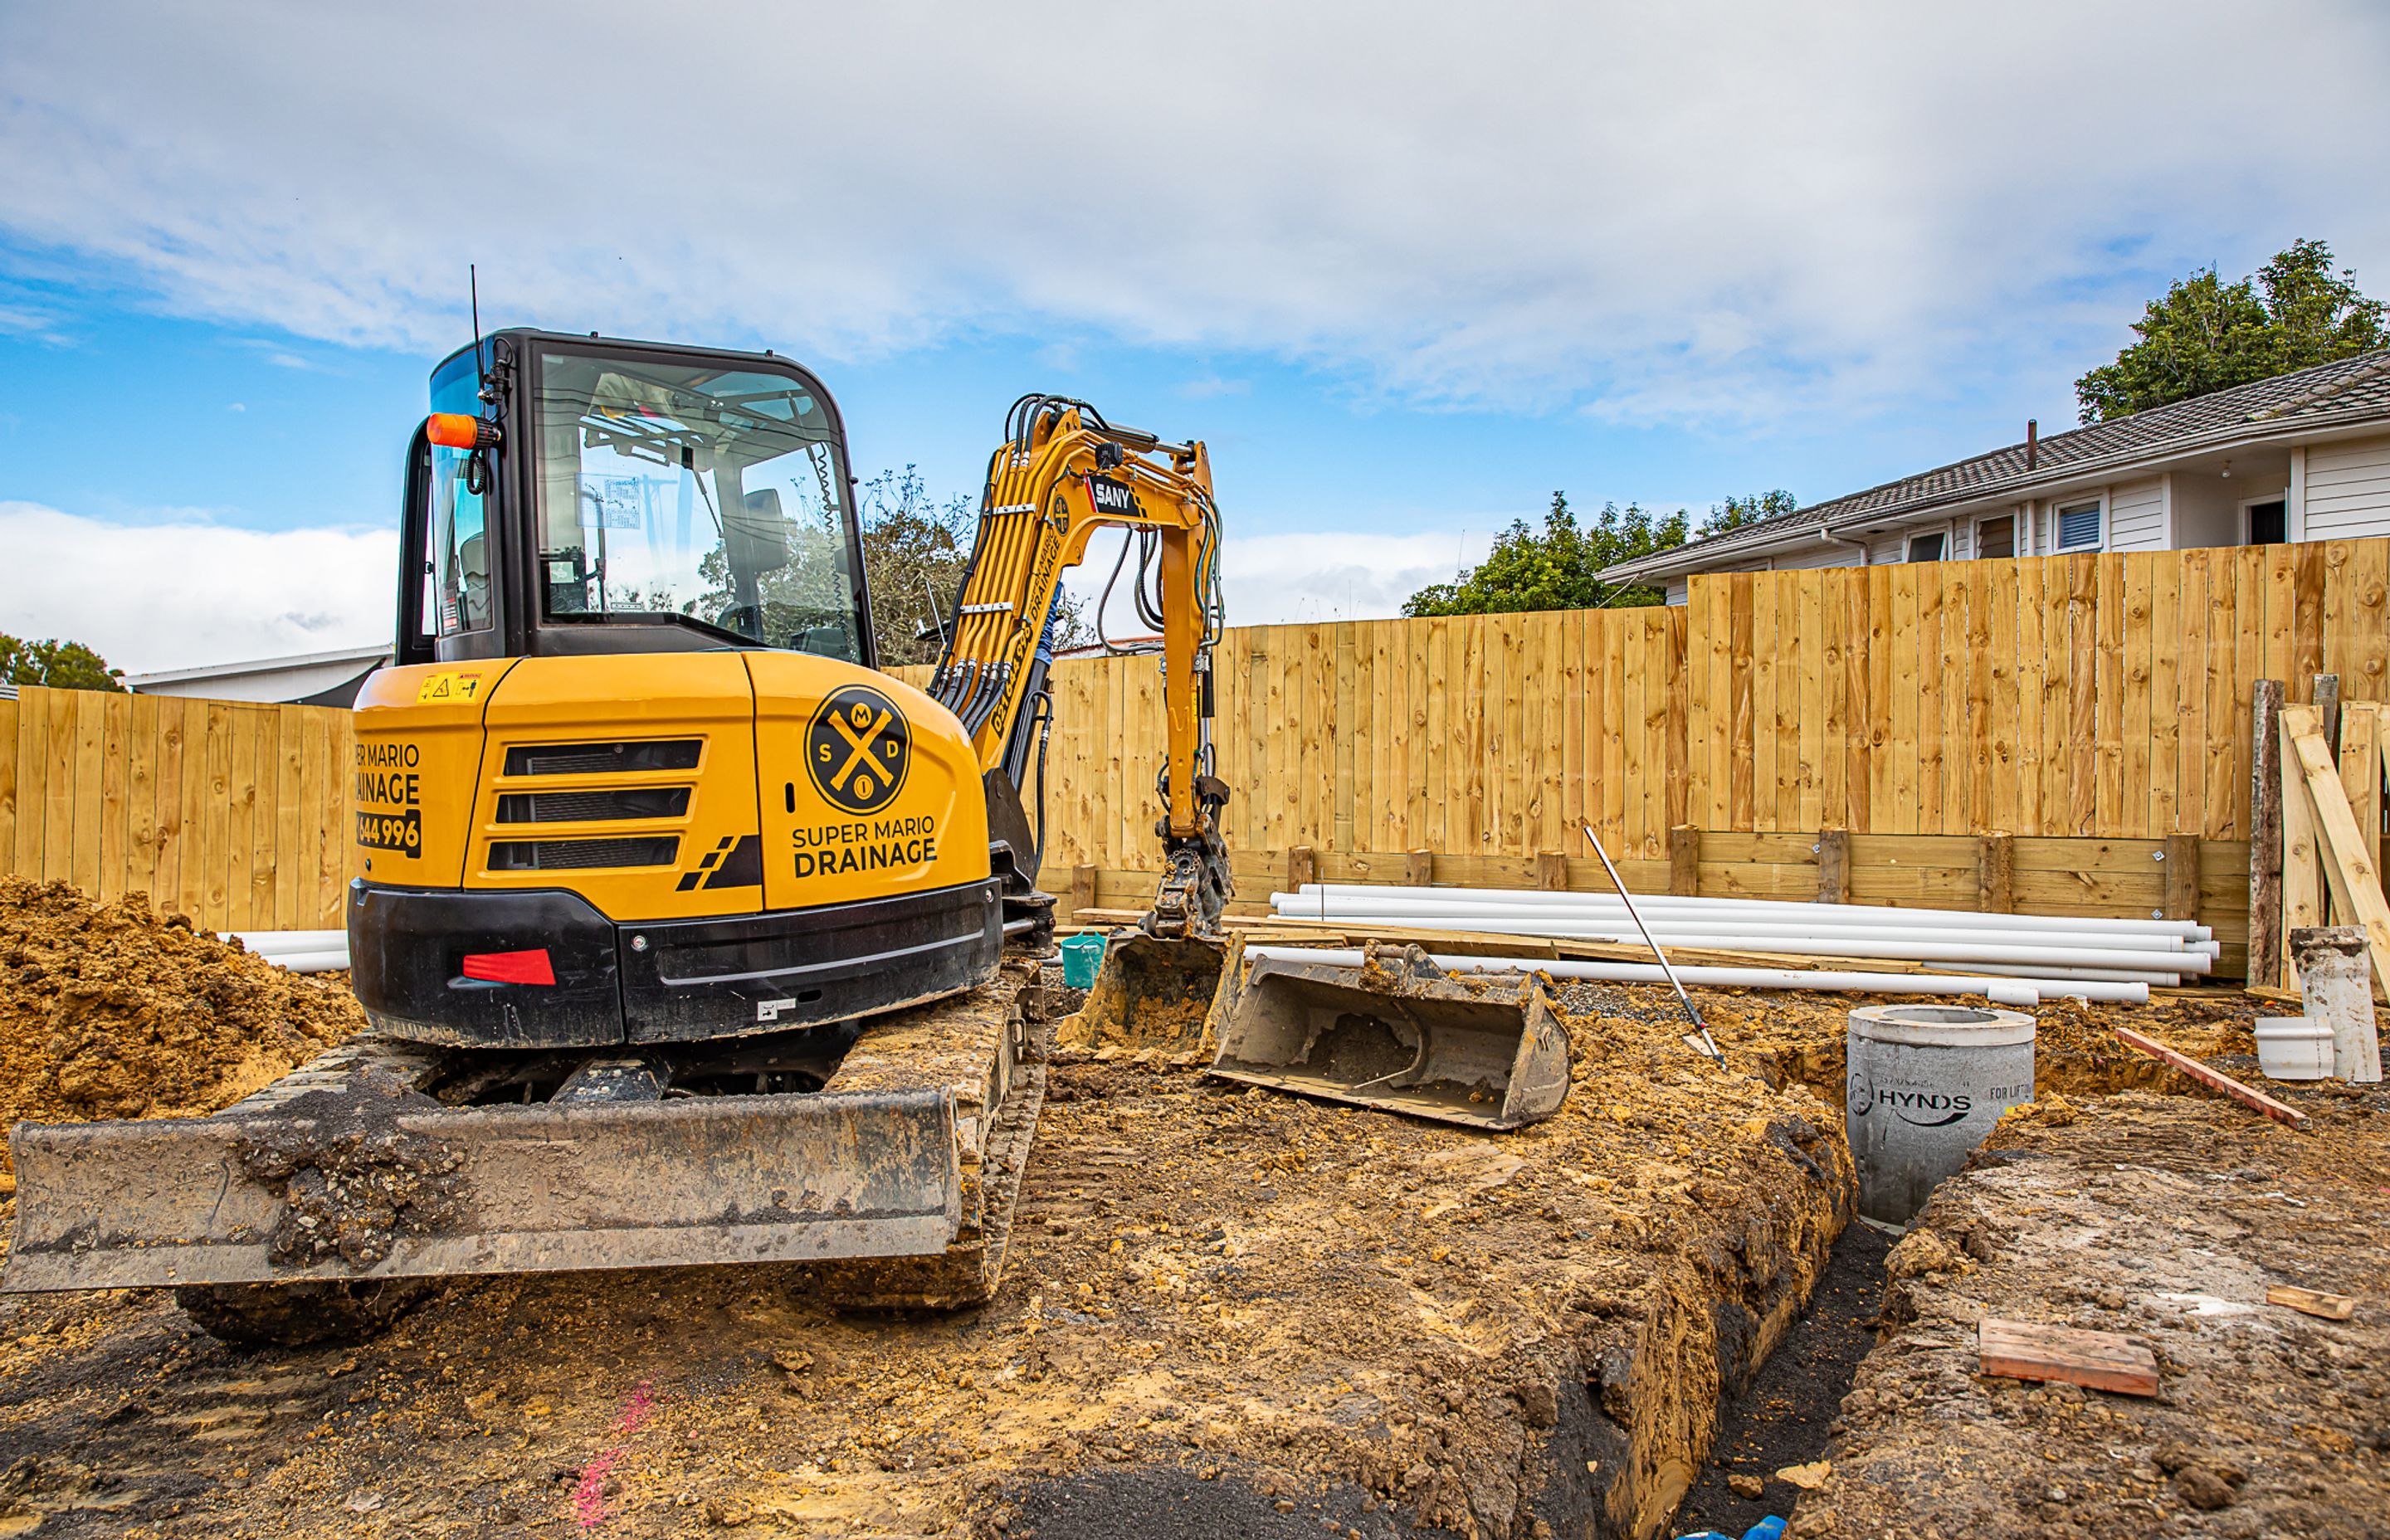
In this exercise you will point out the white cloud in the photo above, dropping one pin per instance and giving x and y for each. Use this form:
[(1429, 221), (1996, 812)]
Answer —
[(1289, 578), (1664, 211), (181, 593)]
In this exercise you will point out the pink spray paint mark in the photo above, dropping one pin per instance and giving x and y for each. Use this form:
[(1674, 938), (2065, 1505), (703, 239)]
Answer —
[(589, 1493)]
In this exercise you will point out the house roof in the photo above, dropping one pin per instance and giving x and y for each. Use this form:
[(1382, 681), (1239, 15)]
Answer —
[(2352, 390)]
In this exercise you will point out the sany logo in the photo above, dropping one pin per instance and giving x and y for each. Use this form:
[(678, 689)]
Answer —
[(1940, 1109), (1110, 496)]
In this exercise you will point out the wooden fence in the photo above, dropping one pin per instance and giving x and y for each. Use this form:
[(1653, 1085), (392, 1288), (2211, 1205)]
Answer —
[(2094, 707), (2084, 696), (234, 814)]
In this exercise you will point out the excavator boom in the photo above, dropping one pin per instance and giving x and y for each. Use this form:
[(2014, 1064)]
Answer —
[(1062, 474)]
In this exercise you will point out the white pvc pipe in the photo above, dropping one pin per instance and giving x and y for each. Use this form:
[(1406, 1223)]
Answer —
[(1738, 978), (290, 941), (1311, 893), (1890, 945), (327, 961), (1542, 920)]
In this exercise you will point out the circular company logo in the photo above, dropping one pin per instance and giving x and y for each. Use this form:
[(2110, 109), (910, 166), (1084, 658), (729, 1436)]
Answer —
[(858, 748)]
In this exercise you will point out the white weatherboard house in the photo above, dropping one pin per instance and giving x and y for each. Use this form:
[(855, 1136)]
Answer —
[(2300, 457)]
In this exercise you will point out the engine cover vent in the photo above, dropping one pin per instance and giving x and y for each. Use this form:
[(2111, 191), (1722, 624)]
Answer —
[(591, 807), (601, 759), (519, 856)]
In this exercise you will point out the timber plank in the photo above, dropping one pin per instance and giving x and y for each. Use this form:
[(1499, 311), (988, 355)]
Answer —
[(2348, 853), (2101, 1360)]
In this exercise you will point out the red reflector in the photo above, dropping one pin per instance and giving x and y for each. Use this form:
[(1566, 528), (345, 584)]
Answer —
[(510, 968)]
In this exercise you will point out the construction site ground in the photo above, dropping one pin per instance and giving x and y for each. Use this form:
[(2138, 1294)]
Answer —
[(1233, 1312)]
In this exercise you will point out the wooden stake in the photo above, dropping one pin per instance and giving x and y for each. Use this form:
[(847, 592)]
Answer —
[(2103, 1360), (1083, 888), (2266, 835), (1301, 866), (2311, 1302), (1834, 866), (2214, 1079), (1551, 871), (1684, 860), (2326, 705), (2182, 876), (1995, 874), (1419, 870)]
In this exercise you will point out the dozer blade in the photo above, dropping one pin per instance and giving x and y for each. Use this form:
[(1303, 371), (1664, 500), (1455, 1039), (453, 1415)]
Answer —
[(1151, 993), (1398, 1033), (347, 1169)]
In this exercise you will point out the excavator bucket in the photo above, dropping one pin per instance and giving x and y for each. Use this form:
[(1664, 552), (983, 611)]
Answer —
[(1396, 1032), (1151, 994)]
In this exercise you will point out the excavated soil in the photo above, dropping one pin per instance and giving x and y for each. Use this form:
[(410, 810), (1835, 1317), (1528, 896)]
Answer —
[(1226, 1311), (2163, 1219), (108, 1011), (1220, 1302)]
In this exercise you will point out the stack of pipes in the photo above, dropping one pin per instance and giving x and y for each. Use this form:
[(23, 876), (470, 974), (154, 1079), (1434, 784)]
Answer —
[(2032, 955), (300, 951)]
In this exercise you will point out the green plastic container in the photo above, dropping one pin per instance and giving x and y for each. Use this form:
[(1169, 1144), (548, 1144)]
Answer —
[(1081, 956)]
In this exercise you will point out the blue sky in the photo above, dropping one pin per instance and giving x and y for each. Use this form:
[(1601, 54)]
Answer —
[(1405, 277)]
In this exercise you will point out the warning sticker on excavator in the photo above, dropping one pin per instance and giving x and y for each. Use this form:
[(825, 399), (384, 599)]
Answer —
[(449, 687)]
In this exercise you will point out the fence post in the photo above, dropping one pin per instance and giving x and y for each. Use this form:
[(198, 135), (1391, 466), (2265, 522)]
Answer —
[(1684, 860), (1834, 866), (1301, 866), (1551, 871), (2182, 876), (2266, 835), (1419, 870), (1995, 874), (1083, 888)]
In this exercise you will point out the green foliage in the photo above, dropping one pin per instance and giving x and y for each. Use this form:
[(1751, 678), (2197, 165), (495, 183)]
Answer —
[(1554, 570), (2208, 335), (1736, 512), (59, 665)]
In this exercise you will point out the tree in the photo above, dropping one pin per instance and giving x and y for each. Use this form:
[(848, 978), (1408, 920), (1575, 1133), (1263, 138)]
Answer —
[(2206, 335), (1554, 570), (1736, 512), (915, 551), (59, 665)]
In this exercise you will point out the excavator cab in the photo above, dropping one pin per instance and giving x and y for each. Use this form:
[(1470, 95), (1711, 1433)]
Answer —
[(570, 495)]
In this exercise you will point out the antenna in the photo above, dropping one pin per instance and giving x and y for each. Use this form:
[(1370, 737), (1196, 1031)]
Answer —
[(473, 291)]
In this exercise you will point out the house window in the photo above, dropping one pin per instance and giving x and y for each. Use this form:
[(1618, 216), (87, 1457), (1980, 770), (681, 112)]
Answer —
[(1997, 537), (1927, 547), (2078, 527), (2269, 523)]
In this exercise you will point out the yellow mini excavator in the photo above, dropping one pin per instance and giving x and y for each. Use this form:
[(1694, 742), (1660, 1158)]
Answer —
[(686, 936)]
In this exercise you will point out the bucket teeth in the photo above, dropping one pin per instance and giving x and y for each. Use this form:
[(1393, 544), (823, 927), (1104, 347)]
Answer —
[(1395, 1033)]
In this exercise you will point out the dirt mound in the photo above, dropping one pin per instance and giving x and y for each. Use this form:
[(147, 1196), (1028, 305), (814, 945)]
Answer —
[(108, 1011)]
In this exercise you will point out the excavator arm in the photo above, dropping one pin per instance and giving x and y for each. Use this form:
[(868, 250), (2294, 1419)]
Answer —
[(1062, 474)]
